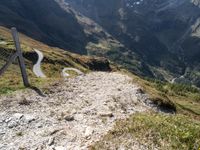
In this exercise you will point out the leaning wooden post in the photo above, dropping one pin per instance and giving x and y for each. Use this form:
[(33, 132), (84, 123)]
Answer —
[(20, 57)]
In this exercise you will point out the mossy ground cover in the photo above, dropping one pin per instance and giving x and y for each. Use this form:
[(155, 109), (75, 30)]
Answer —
[(166, 132)]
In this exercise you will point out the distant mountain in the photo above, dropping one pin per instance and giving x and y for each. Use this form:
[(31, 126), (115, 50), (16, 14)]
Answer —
[(45, 21), (152, 38), (163, 33)]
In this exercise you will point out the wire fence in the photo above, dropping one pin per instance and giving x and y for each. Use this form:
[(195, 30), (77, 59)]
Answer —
[(10, 58)]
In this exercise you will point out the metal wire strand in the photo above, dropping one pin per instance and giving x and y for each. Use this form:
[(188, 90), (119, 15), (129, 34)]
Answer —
[(5, 56)]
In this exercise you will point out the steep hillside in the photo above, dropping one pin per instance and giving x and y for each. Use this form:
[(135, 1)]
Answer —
[(55, 60), (44, 21)]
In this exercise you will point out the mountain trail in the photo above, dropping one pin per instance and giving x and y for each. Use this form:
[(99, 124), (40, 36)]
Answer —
[(73, 115)]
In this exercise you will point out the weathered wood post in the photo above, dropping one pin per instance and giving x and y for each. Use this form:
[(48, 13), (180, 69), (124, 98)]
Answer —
[(20, 57)]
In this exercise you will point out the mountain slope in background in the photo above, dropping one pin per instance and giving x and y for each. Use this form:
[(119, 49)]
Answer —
[(44, 21), (164, 33), (154, 38)]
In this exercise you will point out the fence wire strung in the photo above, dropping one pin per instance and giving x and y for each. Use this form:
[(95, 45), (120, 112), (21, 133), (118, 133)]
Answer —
[(5, 55), (11, 60)]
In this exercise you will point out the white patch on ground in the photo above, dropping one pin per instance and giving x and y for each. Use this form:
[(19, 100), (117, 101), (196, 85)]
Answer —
[(3, 43), (72, 116), (65, 74), (37, 67)]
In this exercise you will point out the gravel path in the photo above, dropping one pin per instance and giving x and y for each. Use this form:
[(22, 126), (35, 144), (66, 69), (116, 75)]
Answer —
[(37, 67), (72, 116)]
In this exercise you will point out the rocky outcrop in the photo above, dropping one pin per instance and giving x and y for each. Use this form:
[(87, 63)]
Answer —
[(96, 63)]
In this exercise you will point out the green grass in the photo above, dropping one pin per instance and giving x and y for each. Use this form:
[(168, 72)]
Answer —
[(54, 61), (167, 132), (183, 98)]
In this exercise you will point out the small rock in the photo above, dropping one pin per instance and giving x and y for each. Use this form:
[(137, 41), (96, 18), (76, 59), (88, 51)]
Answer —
[(29, 118), (12, 124), (54, 131), (88, 132), (18, 116), (2, 132), (39, 125), (69, 118), (106, 114), (140, 91), (60, 148), (51, 141), (1, 121), (8, 120)]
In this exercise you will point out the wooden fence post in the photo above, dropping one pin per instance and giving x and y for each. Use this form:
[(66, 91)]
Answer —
[(20, 57)]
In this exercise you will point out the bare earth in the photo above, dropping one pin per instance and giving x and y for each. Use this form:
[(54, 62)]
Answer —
[(72, 116)]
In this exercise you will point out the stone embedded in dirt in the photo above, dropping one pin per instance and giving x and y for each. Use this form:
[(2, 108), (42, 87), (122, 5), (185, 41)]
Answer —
[(24, 101), (106, 114), (12, 124), (39, 125), (51, 141), (53, 131), (29, 118), (140, 91), (60, 148), (89, 131), (18, 116), (2, 132), (8, 120), (69, 118)]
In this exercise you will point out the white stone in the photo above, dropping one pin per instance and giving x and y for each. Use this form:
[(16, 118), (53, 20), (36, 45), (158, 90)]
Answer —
[(29, 118), (89, 131), (18, 116), (51, 141), (60, 148), (12, 124), (106, 114)]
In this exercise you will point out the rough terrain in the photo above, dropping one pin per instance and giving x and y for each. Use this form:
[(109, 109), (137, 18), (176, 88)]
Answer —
[(73, 114)]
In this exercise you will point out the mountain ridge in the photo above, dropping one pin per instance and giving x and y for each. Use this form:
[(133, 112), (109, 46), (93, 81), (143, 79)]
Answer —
[(156, 39), (160, 32)]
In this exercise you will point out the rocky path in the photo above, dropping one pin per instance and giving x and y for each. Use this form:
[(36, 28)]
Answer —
[(72, 116)]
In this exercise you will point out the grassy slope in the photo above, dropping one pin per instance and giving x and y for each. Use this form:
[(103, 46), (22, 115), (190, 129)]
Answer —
[(179, 131), (166, 132), (55, 60)]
